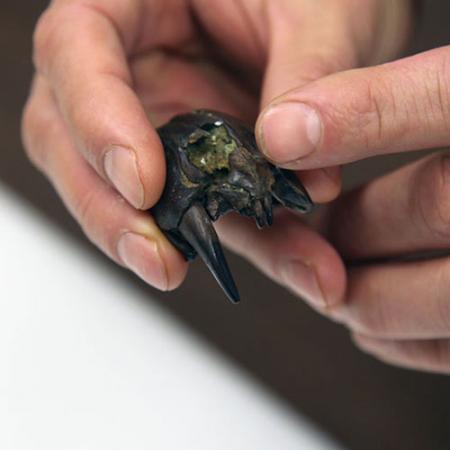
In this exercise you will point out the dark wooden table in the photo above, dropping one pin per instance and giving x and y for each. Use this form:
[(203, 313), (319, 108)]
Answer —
[(301, 356)]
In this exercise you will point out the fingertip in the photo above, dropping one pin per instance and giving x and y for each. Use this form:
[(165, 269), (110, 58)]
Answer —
[(172, 262), (302, 278), (331, 276), (323, 185), (321, 282), (175, 265), (299, 243)]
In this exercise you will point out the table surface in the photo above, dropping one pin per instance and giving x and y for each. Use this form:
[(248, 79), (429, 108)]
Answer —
[(88, 362)]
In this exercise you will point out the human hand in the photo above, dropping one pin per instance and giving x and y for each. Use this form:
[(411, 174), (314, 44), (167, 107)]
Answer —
[(105, 67), (397, 307)]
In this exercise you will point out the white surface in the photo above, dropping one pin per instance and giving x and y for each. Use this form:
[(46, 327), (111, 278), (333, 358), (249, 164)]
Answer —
[(86, 363)]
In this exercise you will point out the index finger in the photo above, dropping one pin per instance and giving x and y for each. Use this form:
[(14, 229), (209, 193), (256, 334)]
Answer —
[(81, 48), (395, 107)]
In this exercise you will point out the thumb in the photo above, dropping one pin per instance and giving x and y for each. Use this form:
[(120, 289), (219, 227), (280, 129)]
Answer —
[(400, 106)]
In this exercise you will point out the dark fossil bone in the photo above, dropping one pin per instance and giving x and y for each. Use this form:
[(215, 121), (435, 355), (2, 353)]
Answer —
[(214, 166), (197, 229)]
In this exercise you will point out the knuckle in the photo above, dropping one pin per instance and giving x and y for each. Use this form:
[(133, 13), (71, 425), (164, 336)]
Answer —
[(97, 222), (431, 204), (376, 111), (437, 93), (86, 208), (33, 126), (443, 103), (42, 37), (441, 302), (27, 123), (91, 137), (372, 322), (368, 116)]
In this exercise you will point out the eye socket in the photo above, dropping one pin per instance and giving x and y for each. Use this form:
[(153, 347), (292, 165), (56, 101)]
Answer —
[(210, 147)]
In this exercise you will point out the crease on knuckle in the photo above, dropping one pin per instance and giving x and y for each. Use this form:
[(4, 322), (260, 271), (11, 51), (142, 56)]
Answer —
[(430, 199), (374, 321), (436, 87), (99, 9), (321, 62), (96, 221), (370, 115), (85, 207), (442, 77), (377, 112)]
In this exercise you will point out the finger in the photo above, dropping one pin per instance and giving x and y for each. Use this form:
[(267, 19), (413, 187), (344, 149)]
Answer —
[(404, 212), (323, 185), (327, 46), (128, 236), (395, 107), (81, 48), (290, 254), (399, 300), (431, 355)]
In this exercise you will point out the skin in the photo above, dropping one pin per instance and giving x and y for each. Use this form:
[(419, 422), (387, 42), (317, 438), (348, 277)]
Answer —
[(309, 71)]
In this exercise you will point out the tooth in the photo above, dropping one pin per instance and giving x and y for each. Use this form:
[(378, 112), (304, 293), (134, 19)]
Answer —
[(197, 229), (260, 214), (268, 209), (288, 190)]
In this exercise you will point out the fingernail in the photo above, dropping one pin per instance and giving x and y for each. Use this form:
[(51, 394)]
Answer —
[(290, 131), (302, 279), (141, 255), (122, 170)]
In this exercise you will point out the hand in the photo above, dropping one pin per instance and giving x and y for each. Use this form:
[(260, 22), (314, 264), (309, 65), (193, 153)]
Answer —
[(398, 310), (108, 71), (397, 305)]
